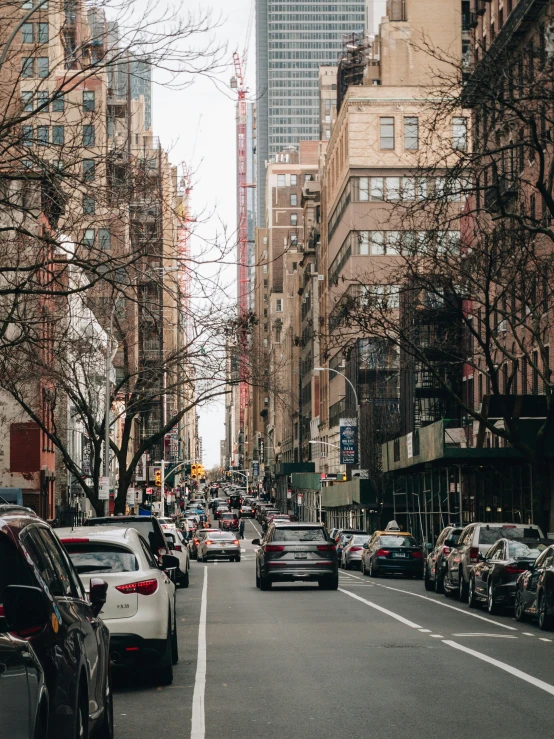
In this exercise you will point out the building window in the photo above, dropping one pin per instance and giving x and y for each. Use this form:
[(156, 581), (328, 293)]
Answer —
[(88, 238), (294, 219), (88, 135), (27, 101), (26, 4), (265, 269), (88, 170), (58, 104), (411, 133), (104, 238), (88, 101), (28, 67), (43, 66), (43, 33), (43, 100), (58, 135), (281, 180), (43, 135), (27, 135), (27, 33), (459, 134), (88, 205), (293, 180), (294, 200), (279, 305), (387, 133), (293, 238)]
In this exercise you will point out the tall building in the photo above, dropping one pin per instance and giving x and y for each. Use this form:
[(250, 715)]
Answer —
[(292, 42)]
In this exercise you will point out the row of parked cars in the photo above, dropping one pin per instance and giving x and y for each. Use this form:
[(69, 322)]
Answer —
[(76, 603)]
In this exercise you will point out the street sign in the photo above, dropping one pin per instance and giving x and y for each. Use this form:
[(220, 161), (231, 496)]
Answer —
[(348, 433), (131, 496), (104, 488), (299, 498), (255, 468)]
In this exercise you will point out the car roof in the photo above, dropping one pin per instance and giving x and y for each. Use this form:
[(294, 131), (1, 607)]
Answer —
[(297, 525), (392, 533), (106, 533)]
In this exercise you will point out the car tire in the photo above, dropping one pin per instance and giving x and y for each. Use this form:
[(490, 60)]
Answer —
[(449, 592), (184, 580), (372, 572), (546, 621), (81, 719), (471, 599), (257, 579), (329, 583), (429, 585), (163, 675), (492, 606), (237, 559), (462, 588), (265, 582), (174, 644), (519, 609), (438, 583), (105, 730)]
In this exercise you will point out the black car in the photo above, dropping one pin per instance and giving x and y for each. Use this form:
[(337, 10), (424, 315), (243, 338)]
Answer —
[(23, 695), (535, 591), (493, 579), (234, 500), (148, 527), (392, 554), (43, 601), (435, 564), (296, 551)]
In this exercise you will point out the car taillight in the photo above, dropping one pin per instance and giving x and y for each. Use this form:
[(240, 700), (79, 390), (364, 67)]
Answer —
[(514, 569), (417, 554), (474, 554), (236, 541), (355, 549), (178, 548), (446, 550), (325, 547), (208, 542), (144, 587), (274, 547), (382, 552)]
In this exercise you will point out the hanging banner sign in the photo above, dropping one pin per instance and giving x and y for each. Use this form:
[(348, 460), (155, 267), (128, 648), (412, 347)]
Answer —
[(348, 433)]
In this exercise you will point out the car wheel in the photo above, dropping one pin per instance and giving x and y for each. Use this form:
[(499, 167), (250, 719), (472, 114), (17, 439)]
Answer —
[(545, 619), (492, 606), (439, 583), (257, 578), (471, 599), (448, 590), (462, 588), (81, 722), (519, 608), (372, 571), (185, 579), (429, 585), (174, 644), (265, 582), (163, 675), (329, 583), (105, 730), (237, 559)]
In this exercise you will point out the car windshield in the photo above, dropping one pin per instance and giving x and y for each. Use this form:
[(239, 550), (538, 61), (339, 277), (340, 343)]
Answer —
[(519, 549), (220, 535), (228, 516), (359, 539), (514, 533), (398, 541), (299, 534), (99, 557)]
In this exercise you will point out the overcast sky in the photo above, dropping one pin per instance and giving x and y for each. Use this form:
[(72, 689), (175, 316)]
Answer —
[(204, 113)]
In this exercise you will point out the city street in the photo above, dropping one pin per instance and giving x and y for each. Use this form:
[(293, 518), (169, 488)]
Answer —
[(377, 658)]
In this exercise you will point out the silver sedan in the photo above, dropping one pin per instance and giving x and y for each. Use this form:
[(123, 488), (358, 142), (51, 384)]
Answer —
[(219, 545), (352, 552)]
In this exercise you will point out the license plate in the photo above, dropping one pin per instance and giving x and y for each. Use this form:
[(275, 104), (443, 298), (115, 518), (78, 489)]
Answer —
[(399, 554), (300, 555)]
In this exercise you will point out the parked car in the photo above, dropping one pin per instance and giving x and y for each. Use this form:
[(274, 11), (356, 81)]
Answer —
[(220, 510), (341, 542), (296, 551), (340, 532), (247, 510), (351, 556), (234, 500), (140, 604), (266, 514), (219, 545), (389, 553), (493, 579), (195, 540), (43, 601), (229, 522), (149, 528), (178, 547), (271, 517), (23, 694), (435, 563), (476, 539), (535, 591)]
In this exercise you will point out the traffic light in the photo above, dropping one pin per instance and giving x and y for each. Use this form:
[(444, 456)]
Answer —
[(158, 478), (194, 471)]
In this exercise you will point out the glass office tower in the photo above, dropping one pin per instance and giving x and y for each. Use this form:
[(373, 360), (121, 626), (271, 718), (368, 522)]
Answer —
[(293, 39)]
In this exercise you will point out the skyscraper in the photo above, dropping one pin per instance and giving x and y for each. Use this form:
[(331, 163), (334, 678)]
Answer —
[(293, 39)]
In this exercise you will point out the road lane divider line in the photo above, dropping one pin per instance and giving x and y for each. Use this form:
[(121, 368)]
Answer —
[(503, 666), (198, 721), (447, 605), (396, 616), (492, 636)]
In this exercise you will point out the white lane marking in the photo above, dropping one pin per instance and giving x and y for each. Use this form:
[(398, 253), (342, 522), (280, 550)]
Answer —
[(526, 633), (447, 605), (198, 722), (543, 639), (437, 636), (383, 610), (425, 631), (242, 549), (503, 666), (493, 636)]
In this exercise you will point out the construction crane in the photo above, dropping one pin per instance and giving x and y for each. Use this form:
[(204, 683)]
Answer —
[(237, 83)]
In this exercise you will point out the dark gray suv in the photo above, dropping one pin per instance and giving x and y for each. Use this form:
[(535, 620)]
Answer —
[(296, 551)]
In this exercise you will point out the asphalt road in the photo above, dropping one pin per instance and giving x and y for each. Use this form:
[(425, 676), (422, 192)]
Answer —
[(379, 658)]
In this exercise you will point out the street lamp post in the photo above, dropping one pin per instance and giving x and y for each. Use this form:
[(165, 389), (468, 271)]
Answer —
[(330, 369)]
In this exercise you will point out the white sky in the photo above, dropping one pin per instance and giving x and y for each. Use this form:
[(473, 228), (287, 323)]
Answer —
[(176, 118)]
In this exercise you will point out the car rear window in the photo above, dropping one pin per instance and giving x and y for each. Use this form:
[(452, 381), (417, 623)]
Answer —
[(299, 534), (220, 535), (519, 549), (515, 533), (100, 557), (359, 539), (398, 541), (228, 516)]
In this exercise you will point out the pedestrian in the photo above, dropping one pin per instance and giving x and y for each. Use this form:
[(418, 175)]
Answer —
[(241, 528)]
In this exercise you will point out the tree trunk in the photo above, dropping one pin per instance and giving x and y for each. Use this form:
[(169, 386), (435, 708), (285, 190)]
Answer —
[(120, 501)]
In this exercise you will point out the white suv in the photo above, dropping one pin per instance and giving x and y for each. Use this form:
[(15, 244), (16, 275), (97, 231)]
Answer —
[(140, 605)]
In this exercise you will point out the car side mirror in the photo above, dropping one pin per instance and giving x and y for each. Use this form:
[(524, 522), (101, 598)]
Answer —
[(169, 562), (97, 594), (256, 542), (25, 607)]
